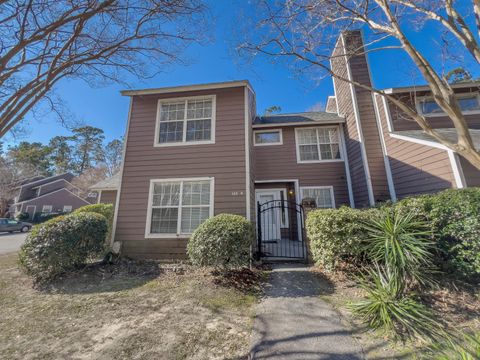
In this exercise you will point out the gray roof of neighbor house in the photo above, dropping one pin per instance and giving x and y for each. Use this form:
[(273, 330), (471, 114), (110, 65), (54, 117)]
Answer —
[(314, 117), (110, 183), (450, 134)]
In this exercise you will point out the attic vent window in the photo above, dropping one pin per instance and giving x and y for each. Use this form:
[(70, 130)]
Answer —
[(185, 121), (469, 104)]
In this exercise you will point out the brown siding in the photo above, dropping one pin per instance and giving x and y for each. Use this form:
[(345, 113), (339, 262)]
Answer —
[(416, 168), (400, 121), (57, 200), (45, 189), (224, 160), (470, 173), (108, 197), (345, 104), (361, 74), (279, 162)]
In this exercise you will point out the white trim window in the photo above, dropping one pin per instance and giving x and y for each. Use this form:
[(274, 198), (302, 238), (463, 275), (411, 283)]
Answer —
[(185, 121), (46, 209), (323, 195), (268, 137), (318, 144), (67, 208), (178, 206), (469, 104)]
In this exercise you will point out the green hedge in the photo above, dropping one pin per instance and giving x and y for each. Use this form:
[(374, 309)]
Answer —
[(106, 210), (337, 234), (62, 244), (222, 241), (454, 217)]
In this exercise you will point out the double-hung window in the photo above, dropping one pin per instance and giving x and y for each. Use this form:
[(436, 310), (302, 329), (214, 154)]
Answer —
[(317, 144), (178, 206), (185, 121), (323, 195)]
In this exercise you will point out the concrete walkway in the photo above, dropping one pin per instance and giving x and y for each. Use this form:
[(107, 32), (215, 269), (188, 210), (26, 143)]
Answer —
[(292, 321)]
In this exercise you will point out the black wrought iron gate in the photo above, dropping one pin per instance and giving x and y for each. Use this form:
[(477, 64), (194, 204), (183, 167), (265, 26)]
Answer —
[(281, 230)]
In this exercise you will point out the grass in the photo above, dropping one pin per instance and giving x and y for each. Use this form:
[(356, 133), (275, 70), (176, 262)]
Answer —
[(126, 311)]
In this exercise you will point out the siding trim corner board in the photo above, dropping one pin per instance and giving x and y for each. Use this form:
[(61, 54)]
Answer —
[(247, 154), (119, 191), (391, 185), (457, 169)]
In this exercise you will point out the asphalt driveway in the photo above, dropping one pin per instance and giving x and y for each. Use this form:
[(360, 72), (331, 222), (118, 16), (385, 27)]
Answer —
[(11, 242)]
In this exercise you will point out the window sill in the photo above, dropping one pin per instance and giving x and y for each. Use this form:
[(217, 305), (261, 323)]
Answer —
[(270, 144), (210, 142), (167, 236), (319, 161)]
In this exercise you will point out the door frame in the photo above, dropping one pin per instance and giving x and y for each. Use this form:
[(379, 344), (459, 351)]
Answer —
[(34, 210), (296, 186), (276, 196)]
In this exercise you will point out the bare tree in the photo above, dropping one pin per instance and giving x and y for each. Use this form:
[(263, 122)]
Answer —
[(44, 41), (306, 31)]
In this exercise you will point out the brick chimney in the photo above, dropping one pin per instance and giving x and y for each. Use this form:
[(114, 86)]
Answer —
[(365, 157)]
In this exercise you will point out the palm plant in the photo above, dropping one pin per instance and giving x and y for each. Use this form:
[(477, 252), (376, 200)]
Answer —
[(388, 308), (399, 241)]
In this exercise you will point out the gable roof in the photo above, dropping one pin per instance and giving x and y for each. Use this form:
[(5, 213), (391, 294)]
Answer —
[(37, 182), (313, 117), (111, 183), (449, 133)]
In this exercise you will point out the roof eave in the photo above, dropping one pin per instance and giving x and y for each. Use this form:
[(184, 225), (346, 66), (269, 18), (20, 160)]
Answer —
[(427, 88), (314, 123), (181, 88)]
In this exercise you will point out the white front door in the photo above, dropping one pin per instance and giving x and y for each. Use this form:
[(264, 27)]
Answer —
[(270, 214)]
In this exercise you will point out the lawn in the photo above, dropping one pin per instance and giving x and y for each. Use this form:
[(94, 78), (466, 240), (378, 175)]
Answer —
[(131, 310)]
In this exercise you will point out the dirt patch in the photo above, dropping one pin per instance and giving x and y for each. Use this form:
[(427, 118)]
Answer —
[(131, 310)]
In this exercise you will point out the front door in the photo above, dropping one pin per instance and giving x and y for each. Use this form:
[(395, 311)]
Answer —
[(271, 221)]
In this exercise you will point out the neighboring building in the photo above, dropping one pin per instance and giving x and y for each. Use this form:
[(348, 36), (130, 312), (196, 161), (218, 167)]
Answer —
[(192, 152), (45, 195), (106, 190)]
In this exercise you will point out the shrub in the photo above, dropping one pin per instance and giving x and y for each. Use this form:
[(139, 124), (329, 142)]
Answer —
[(62, 244), (22, 216), (387, 307), (106, 210), (399, 241), (39, 217), (222, 241), (336, 234), (455, 218)]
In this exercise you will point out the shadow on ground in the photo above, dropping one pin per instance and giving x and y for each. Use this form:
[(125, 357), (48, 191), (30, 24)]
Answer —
[(125, 274)]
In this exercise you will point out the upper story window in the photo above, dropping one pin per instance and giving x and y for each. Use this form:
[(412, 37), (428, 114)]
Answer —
[(318, 144), (185, 121), (268, 137), (469, 104)]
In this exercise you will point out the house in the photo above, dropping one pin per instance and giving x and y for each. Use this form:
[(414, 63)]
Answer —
[(45, 195), (106, 190), (195, 151)]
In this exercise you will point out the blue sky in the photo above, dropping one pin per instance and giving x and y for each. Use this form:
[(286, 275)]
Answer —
[(274, 83)]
